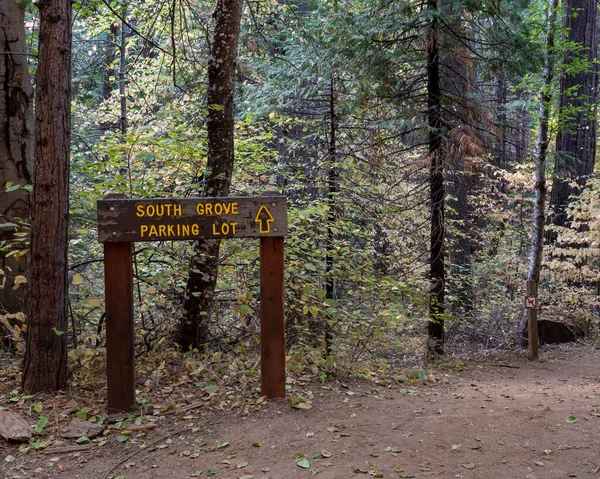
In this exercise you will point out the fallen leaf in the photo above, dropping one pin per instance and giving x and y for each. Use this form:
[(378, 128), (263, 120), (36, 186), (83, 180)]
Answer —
[(303, 463)]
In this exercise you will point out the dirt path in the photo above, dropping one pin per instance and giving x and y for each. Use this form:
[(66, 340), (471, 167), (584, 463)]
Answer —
[(500, 417)]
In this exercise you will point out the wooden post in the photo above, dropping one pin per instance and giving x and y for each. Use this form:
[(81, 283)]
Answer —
[(532, 330), (120, 335), (272, 328)]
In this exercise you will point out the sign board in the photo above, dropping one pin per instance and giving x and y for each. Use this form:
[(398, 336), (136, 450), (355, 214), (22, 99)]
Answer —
[(530, 302), (131, 220), (123, 221)]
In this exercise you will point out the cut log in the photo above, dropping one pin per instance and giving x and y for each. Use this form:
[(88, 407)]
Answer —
[(13, 427)]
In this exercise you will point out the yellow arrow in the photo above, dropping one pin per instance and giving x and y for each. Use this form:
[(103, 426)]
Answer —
[(264, 218)]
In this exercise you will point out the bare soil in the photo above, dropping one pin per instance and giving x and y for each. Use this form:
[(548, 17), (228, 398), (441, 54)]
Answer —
[(500, 416)]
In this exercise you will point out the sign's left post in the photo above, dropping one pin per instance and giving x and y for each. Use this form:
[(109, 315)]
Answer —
[(120, 333)]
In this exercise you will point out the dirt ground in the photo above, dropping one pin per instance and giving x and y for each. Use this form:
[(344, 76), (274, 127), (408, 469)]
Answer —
[(501, 416)]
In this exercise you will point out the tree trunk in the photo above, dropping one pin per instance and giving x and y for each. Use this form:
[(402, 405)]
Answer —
[(435, 340), (45, 366), (541, 150), (576, 140), (16, 142), (332, 192), (193, 328)]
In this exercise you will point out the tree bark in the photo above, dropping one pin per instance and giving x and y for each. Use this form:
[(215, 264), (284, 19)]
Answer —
[(576, 140), (435, 340), (45, 366), (193, 328), (16, 141)]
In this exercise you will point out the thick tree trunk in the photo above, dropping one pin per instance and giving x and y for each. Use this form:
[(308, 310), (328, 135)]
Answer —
[(16, 141), (435, 340), (45, 365), (576, 140), (199, 296)]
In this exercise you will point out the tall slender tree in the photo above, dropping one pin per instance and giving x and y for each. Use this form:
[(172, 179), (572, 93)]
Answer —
[(541, 151), (199, 295), (45, 366), (437, 255)]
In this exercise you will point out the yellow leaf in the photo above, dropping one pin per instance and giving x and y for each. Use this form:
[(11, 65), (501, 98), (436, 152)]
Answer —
[(19, 280), (82, 231), (77, 279)]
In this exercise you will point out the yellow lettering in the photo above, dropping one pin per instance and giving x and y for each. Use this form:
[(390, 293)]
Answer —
[(200, 209), (234, 208), (140, 210), (195, 230), (225, 228), (143, 229), (177, 210), (185, 230), (153, 231), (233, 227), (171, 230), (162, 230), (215, 232), (150, 210), (218, 208), (208, 208)]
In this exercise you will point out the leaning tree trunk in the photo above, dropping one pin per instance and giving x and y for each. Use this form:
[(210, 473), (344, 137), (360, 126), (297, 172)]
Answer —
[(193, 328), (576, 140), (435, 340), (45, 366), (16, 143)]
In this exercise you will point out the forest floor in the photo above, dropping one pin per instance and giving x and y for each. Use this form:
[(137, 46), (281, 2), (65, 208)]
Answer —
[(499, 415)]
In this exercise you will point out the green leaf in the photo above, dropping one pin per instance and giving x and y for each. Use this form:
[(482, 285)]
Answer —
[(394, 426), (212, 471), (571, 420), (9, 458), (122, 438), (57, 332), (82, 440), (223, 445), (82, 414), (256, 444), (246, 310), (40, 425), (325, 453), (303, 463)]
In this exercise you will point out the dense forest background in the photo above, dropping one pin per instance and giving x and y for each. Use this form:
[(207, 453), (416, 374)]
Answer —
[(411, 139)]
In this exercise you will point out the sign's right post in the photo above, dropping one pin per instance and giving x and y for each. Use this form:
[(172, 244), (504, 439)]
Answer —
[(272, 327), (531, 307)]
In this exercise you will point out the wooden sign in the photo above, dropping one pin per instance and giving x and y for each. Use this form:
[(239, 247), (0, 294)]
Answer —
[(123, 221), (131, 220)]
